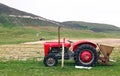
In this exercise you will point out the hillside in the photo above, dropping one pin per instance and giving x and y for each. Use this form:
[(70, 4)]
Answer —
[(17, 27), (10, 16), (96, 27), (11, 11)]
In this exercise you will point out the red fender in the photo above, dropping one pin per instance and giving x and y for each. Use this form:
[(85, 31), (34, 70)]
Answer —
[(77, 44)]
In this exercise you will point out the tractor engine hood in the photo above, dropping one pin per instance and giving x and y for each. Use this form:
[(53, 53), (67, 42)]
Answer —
[(56, 44)]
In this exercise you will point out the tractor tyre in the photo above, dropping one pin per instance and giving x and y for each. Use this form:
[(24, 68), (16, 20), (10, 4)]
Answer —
[(50, 60), (86, 55)]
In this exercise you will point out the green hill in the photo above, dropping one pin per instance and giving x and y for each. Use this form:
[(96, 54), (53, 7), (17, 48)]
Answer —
[(4, 9), (96, 27), (17, 27), (10, 17), (17, 35)]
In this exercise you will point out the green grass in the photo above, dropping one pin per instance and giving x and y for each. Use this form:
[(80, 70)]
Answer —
[(18, 34), (35, 68), (14, 35)]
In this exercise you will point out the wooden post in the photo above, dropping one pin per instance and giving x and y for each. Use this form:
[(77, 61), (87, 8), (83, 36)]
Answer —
[(59, 37), (63, 49)]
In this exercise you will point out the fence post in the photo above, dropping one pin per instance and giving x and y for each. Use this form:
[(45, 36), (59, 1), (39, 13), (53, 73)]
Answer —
[(63, 49)]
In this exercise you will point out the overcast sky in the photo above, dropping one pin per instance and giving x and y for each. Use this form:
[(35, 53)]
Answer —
[(98, 11)]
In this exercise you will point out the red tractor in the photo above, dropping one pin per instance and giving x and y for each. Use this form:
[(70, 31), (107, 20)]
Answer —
[(83, 52)]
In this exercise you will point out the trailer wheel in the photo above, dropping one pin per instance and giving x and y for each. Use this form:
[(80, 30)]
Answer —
[(86, 55), (50, 60)]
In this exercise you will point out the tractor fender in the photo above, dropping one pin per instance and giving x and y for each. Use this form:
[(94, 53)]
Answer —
[(77, 44)]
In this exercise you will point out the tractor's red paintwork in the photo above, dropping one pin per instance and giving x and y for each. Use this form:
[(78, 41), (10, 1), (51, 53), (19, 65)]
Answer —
[(48, 45), (86, 56), (76, 44)]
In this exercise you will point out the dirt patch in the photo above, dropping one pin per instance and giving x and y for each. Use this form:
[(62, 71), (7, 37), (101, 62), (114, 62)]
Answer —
[(34, 50), (106, 41)]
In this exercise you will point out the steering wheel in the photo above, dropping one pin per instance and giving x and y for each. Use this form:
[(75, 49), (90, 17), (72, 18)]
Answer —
[(70, 41)]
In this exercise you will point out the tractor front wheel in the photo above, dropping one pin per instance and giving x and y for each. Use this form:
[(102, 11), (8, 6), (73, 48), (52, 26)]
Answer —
[(86, 55), (50, 60)]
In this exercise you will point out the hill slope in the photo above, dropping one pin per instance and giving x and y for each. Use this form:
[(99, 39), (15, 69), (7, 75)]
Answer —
[(17, 27), (11, 11), (11, 17), (96, 27)]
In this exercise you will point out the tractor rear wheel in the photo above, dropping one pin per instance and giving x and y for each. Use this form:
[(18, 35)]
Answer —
[(86, 55), (50, 60)]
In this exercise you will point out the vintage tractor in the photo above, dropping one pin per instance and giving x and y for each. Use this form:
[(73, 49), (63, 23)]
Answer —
[(84, 53)]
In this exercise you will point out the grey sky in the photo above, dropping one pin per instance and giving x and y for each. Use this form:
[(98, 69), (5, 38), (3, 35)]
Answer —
[(98, 11)]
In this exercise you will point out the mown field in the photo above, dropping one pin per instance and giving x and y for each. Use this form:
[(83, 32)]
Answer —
[(17, 59)]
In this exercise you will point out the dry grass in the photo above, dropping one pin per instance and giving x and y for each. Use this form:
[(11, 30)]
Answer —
[(21, 52), (115, 55), (34, 50)]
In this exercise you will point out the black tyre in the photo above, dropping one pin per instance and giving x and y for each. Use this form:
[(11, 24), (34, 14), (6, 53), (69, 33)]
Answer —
[(86, 55), (50, 60)]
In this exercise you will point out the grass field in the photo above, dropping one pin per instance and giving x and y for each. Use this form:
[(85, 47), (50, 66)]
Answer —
[(36, 68), (15, 35), (26, 60), (33, 67)]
